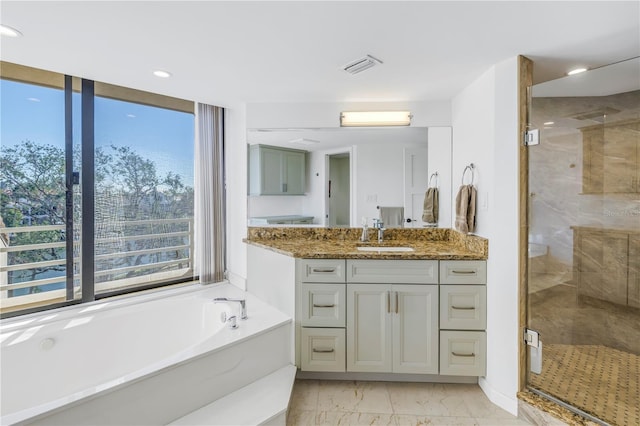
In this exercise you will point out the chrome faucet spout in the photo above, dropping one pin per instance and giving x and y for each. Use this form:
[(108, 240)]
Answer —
[(379, 225), (242, 302)]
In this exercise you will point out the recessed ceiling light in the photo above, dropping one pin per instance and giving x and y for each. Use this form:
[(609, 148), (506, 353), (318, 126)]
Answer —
[(9, 32), (576, 71), (162, 74), (131, 116), (548, 123), (33, 99)]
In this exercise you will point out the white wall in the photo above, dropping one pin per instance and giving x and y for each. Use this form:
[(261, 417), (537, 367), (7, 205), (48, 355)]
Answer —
[(485, 132), (236, 185)]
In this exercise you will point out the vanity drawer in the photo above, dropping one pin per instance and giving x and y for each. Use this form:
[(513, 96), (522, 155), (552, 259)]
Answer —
[(463, 307), (322, 305), (321, 270), (392, 271), (463, 272), (323, 349), (463, 353)]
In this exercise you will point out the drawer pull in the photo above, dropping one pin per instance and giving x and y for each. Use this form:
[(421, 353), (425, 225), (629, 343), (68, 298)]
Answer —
[(323, 351), (463, 272), (323, 306), (323, 270), (463, 355), (464, 308)]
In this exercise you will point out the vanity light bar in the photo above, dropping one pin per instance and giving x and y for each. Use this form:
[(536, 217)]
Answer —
[(375, 118)]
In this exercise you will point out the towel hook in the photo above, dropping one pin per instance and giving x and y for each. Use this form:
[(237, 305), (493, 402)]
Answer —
[(471, 168), (433, 175)]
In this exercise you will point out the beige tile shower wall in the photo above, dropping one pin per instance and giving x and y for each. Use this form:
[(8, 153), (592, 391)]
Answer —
[(558, 199)]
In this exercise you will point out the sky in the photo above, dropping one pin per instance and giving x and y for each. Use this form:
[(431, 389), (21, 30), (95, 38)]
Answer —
[(36, 113)]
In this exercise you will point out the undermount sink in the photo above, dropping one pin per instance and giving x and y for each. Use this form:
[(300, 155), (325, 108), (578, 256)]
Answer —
[(385, 248)]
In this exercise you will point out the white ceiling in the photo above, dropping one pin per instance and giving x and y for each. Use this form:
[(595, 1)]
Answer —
[(225, 53)]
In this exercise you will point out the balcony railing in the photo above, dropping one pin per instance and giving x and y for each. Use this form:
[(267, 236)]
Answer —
[(128, 254)]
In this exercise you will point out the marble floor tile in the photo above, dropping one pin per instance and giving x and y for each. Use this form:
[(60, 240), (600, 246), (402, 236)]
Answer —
[(301, 417), (326, 402), (427, 399), (366, 397), (330, 418), (305, 395), (408, 420)]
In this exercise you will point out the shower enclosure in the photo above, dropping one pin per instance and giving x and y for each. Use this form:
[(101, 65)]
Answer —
[(584, 242)]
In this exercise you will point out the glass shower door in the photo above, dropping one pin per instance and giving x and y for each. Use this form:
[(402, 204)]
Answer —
[(584, 242)]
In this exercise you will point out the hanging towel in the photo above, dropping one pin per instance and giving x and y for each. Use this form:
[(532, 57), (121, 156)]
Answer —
[(392, 217), (466, 209), (430, 208), (471, 210)]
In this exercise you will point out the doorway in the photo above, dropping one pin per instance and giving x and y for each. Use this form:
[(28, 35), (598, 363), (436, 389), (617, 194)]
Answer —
[(338, 190), (584, 243)]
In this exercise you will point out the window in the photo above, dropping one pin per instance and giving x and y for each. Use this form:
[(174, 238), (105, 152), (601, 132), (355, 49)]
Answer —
[(128, 205)]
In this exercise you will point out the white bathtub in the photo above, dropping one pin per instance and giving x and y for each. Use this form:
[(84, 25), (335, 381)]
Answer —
[(140, 360)]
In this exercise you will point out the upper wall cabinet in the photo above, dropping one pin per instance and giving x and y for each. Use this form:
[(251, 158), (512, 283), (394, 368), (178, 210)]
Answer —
[(276, 171), (611, 158)]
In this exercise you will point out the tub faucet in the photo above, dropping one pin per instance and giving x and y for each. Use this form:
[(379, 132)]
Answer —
[(242, 302), (231, 320)]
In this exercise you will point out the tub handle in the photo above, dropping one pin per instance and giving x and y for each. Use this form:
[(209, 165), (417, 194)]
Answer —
[(323, 270), (323, 351), (463, 272), (463, 355), (324, 306), (464, 308)]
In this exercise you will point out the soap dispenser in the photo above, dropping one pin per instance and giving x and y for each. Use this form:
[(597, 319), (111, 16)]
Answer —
[(365, 231)]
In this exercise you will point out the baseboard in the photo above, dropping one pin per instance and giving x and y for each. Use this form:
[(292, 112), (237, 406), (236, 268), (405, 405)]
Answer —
[(499, 399)]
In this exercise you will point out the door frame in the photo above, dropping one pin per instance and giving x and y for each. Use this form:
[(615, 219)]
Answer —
[(350, 151)]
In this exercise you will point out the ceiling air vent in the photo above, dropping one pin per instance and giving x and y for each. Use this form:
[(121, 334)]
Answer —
[(361, 64)]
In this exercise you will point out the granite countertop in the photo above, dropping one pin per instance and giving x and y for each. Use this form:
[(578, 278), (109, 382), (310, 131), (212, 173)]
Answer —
[(342, 243)]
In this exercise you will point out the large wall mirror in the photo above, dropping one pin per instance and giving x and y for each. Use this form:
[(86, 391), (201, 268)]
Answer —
[(348, 174)]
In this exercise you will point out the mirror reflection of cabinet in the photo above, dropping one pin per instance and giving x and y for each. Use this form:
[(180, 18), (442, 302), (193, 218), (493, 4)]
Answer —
[(276, 171), (611, 158)]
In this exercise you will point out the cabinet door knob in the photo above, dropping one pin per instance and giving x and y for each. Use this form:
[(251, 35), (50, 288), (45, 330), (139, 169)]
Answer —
[(396, 302)]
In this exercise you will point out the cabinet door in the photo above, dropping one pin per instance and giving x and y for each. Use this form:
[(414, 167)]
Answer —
[(463, 353), (322, 349), (463, 307), (323, 305), (415, 328), (272, 179), (369, 327), (294, 173)]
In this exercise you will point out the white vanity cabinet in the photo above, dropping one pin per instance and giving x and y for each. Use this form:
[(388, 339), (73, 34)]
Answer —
[(463, 317), (392, 316), (276, 171)]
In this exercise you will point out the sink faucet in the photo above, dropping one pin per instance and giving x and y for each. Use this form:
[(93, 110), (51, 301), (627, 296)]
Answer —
[(379, 225), (242, 302)]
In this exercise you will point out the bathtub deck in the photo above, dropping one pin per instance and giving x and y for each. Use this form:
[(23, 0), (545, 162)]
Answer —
[(264, 401)]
